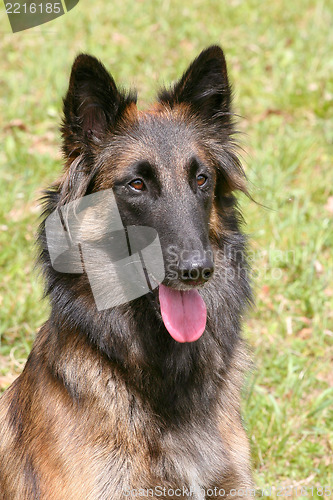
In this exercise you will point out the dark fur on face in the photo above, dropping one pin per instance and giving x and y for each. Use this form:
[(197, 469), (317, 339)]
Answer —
[(108, 400)]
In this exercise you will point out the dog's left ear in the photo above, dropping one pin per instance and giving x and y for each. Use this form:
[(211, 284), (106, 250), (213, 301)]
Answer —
[(204, 87)]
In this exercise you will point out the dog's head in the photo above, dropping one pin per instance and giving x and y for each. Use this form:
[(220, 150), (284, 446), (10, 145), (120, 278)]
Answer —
[(172, 168)]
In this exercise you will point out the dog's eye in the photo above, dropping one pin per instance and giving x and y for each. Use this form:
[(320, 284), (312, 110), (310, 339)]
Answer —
[(201, 180), (137, 185)]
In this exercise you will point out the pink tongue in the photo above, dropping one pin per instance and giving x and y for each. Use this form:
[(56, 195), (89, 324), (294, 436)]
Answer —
[(184, 313)]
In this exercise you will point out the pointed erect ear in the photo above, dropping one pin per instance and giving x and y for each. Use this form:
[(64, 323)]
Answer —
[(204, 86), (92, 105)]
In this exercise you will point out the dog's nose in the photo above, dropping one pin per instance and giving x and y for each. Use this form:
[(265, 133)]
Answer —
[(196, 271)]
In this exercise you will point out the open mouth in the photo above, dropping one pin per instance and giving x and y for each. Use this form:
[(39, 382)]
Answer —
[(183, 312)]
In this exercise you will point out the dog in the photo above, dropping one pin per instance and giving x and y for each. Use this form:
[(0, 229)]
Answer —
[(137, 393)]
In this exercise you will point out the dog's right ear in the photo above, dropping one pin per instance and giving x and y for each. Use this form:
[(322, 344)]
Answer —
[(92, 106)]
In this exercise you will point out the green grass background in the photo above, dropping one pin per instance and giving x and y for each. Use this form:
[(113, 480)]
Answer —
[(280, 60)]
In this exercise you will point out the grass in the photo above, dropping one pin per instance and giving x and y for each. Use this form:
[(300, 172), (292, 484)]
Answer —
[(280, 60)]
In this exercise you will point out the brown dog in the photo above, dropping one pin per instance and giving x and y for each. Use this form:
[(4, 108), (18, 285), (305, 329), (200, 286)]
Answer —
[(139, 397)]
